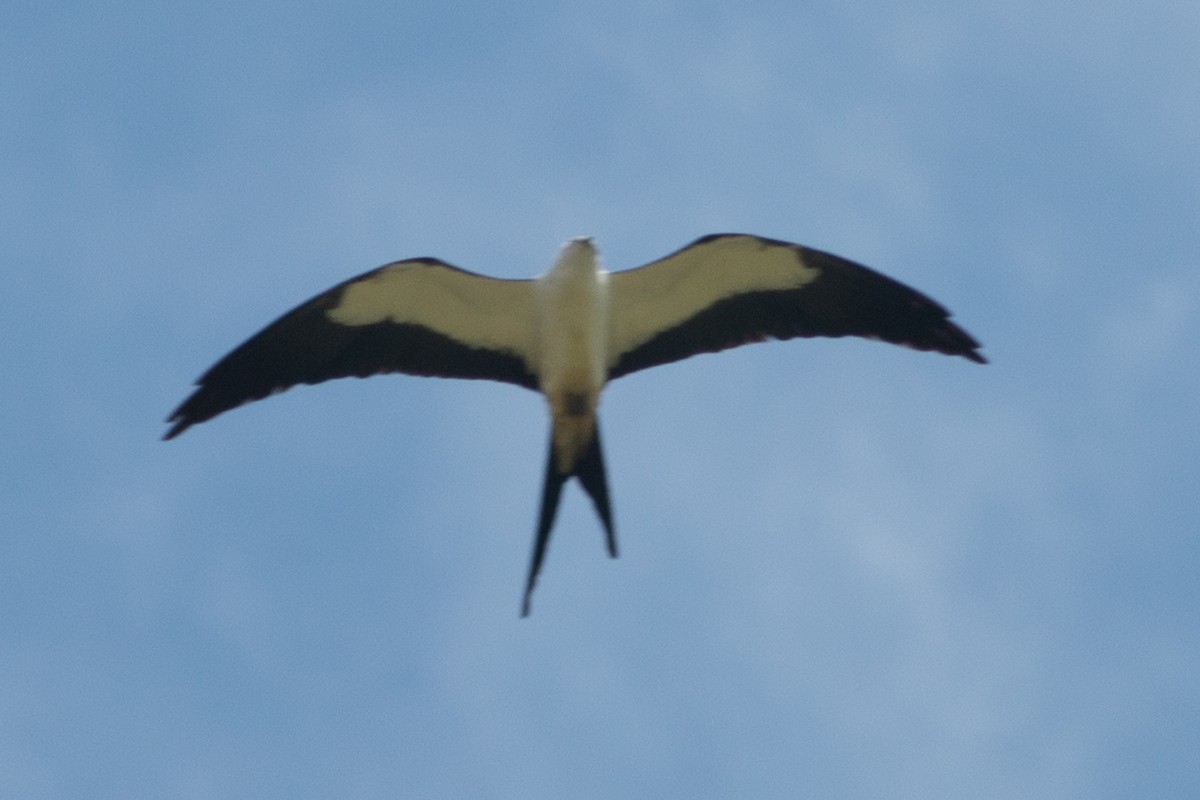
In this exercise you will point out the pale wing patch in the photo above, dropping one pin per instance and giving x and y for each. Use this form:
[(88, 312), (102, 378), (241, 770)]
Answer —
[(472, 309), (665, 293)]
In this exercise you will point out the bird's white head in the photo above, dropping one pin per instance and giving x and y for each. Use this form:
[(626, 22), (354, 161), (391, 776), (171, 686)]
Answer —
[(578, 255), (581, 243)]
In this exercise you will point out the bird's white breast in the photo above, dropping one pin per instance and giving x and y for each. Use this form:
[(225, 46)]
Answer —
[(572, 322), (572, 334)]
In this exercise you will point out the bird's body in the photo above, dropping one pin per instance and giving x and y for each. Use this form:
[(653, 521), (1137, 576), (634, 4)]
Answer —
[(568, 332), (571, 345)]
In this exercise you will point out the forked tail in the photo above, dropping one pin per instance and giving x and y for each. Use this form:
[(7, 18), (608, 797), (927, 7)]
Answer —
[(589, 469)]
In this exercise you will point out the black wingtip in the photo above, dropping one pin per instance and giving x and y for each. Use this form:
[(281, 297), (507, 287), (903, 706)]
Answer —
[(954, 341), (178, 426), (202, 404), (974, 353)]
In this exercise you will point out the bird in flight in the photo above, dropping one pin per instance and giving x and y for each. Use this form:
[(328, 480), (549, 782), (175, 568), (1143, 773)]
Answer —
[(568, 332)]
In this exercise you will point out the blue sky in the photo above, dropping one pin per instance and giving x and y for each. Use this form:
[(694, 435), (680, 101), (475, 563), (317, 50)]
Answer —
[(848, 570)]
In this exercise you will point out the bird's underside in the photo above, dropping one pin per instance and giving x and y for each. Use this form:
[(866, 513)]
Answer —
[(570, 331)]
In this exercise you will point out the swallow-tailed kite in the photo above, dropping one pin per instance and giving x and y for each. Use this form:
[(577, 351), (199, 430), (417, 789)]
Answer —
[(569, 332)]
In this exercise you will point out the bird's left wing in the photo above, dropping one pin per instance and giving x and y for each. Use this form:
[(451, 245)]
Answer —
[(726, 290), (420, 316)]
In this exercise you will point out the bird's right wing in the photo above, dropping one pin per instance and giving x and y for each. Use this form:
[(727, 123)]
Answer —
[(420, 316)]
